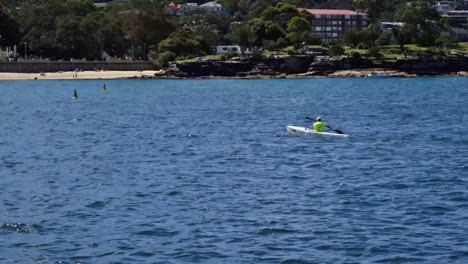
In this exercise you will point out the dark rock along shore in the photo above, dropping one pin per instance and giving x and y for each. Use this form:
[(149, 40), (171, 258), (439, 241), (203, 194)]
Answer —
[(280, 66)]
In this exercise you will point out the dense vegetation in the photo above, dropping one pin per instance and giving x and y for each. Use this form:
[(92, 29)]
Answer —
[(60, 29)]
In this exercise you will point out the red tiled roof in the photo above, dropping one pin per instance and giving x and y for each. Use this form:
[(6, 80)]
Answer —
[(332, 12), (174, 6)]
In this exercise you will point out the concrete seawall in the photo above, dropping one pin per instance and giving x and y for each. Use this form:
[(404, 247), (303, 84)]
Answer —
[(31, 66)]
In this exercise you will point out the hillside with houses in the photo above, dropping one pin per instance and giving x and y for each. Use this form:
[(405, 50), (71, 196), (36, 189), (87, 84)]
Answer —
[(164, 31)]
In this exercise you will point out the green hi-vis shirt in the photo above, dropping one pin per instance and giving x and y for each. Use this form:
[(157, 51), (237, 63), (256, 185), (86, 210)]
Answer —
[(320, 126)]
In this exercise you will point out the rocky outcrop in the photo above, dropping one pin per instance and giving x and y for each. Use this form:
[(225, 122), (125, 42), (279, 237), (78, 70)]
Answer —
[(432, 66), (209, 68), (271, 66), (308, 66), (289, 64), (325, 65)]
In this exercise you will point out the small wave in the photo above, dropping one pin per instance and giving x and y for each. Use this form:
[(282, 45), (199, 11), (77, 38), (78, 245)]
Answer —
[(399, 259), (294, 261), (97, 204), (271, 231), (174, 193), (16, 227), (157, 232), (142, 254), (459, 254), (12, 164)]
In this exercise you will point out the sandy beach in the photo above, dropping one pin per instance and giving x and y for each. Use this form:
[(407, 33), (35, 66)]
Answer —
[(82, 75), (108, 75)]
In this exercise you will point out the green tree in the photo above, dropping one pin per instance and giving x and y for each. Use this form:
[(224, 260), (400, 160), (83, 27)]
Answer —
[(183, 42), (287, 8), (270, 13), (261, 30), (241, 35), (298, 24), (420, 20), (257, 8), (404, 35), (9, 31), (298, 29), (445, 41), (67, 36)]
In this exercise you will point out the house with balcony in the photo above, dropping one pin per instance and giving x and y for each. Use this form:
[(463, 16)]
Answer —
[(331, 24)]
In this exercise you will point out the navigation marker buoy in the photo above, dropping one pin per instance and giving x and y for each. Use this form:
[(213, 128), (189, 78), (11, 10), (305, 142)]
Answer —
[(104, 88), (75, 94)]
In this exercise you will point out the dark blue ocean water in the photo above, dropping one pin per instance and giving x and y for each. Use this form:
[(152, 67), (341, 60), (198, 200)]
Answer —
[(184, 171)]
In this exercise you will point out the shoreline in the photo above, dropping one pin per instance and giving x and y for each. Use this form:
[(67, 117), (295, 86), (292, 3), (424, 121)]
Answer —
[(147, 74), (80, 75)]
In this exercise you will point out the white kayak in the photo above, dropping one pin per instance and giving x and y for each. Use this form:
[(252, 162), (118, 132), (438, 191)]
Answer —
[(305, 130)]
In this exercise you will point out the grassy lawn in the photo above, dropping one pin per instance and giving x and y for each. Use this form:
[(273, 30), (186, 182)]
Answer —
[(388, 51), (463, 47)]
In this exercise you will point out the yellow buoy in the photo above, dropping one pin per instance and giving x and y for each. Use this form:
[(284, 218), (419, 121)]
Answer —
[(75, 94)]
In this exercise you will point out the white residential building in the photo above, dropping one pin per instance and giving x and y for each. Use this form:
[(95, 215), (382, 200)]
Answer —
[(443, 7), (212, 7)]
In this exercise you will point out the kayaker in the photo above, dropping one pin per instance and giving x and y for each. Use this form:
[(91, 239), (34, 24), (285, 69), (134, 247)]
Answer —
[(319, 126)]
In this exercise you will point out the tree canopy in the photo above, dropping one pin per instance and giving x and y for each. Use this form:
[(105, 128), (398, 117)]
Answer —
[(63, 29)]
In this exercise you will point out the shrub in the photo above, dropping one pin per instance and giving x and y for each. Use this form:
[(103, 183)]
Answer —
[(290, 50), (384, 39), (351, 38), (336, 50), (165, 57), (281, 43), (356, 55), (152, 54), (374, 51), (362, 46), (269, 44), (228, 55)]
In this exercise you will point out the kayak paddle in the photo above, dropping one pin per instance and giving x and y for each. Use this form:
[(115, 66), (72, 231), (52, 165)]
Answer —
[(336, 130)]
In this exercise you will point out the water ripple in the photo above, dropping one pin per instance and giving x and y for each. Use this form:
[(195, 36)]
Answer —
[(162, 171)]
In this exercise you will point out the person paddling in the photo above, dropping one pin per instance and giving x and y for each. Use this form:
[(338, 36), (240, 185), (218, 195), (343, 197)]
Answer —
[(320, 126)]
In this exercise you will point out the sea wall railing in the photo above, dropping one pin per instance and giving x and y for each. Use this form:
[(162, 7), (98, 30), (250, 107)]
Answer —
[(37, 66)]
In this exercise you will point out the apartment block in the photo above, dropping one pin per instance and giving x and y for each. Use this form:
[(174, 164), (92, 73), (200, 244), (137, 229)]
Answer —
[(331, 24)]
